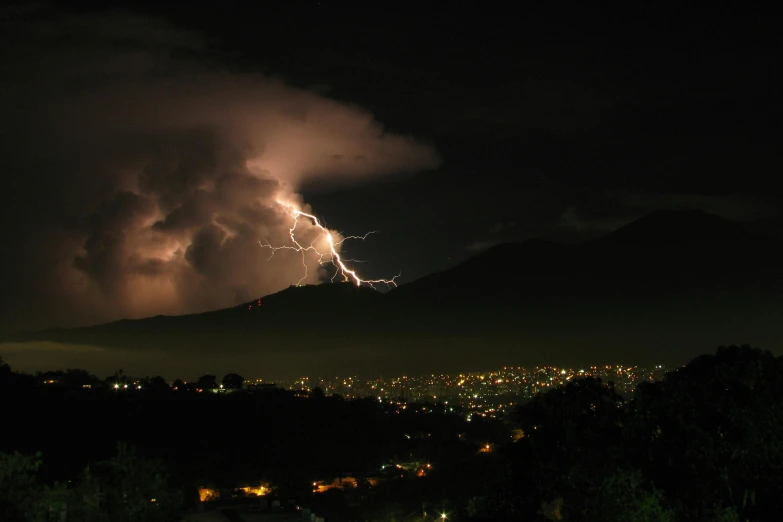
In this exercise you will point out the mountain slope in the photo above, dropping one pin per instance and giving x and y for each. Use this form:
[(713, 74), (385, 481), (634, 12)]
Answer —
[(283, 313), (672, 284), (665, 253)]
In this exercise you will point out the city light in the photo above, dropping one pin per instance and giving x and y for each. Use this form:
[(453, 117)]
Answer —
[(482, 394)]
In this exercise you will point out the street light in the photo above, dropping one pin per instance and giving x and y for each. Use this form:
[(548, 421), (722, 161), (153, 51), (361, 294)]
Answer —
[(443, 516)]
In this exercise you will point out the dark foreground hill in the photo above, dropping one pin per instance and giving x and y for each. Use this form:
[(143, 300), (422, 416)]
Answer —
[(661, 289)]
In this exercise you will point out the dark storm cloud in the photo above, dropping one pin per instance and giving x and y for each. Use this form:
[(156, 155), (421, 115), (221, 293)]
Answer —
[(106, 249), (141, 179)]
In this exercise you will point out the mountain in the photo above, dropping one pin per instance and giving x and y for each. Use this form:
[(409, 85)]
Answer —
[(672, 253), (668, 286), (771, 226), (676, 227)]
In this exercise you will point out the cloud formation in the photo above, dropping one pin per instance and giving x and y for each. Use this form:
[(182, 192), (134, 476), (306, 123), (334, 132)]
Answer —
[(142, 178)]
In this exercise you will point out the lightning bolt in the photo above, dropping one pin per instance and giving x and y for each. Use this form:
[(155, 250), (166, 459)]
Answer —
[(330, 256)]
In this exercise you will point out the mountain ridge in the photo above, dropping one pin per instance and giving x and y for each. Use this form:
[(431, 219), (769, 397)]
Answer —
[(512, 299)]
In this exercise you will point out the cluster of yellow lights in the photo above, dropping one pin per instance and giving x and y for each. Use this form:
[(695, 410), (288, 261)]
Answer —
[(207, 494)]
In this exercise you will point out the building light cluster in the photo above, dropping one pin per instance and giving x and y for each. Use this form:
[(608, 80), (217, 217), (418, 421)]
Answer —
[(483, 394)]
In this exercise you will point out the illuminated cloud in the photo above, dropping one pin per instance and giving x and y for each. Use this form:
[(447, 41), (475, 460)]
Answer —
[(151, 175)]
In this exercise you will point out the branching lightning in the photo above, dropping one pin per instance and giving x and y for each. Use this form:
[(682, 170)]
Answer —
[(330, 256)]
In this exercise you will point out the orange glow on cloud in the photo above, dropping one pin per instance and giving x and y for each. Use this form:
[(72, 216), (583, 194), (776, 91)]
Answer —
[(173, 172)]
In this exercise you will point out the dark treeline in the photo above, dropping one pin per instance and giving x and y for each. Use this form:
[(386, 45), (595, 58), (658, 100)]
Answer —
[(703, 444), (224, 440)]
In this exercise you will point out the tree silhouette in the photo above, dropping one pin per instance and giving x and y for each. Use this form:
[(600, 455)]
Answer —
[(623, 496), (119, 378), (18, 485), (136, 489), (77, 378), (705, 443), (157, 384), (207, 382), (22, 497), (5, 373), (711, 433), (125, 488), (233, 381), (572, 432)]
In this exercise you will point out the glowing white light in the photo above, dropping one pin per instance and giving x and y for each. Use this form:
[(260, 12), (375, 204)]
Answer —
[(331, 256)]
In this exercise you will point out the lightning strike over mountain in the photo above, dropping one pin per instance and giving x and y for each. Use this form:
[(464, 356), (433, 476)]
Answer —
[(331, 255)]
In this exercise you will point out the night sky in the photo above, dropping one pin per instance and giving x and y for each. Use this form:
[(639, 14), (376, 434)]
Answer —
[(143, 147)]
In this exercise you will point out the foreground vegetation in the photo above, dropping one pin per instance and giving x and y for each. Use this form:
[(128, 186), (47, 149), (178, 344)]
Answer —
[(125, 488), (703, 444)]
